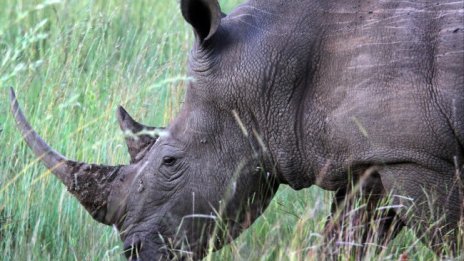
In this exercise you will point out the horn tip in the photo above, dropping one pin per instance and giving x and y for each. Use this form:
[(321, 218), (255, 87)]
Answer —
[(125, 119), (14, 106), (121, 113), (12, 94), (126, 122)]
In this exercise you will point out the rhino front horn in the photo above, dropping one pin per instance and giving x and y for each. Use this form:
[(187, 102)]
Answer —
[(90, 184)]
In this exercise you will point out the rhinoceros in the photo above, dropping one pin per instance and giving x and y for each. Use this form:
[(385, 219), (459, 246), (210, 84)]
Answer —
[(363, 98)]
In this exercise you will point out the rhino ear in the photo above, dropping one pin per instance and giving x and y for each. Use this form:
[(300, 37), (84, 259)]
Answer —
[(138, 136), (204, 15)]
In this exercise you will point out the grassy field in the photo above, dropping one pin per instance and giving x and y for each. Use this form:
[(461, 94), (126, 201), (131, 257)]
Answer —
[(71, 63)]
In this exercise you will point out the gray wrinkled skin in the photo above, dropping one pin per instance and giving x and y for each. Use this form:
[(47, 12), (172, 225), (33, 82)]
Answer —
[(303, 93)]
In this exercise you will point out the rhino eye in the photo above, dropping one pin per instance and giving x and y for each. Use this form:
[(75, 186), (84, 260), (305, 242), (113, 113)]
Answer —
[(169, 161)]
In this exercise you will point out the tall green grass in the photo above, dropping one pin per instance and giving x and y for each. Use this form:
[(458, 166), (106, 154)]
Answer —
[(71, 63)]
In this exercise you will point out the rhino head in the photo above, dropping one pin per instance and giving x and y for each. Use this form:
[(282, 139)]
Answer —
[(184, 192), (190, 187)]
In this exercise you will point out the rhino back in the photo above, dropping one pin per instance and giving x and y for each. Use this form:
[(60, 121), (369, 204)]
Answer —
[(391, 83)]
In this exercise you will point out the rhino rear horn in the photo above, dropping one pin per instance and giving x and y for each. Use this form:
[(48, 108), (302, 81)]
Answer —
[(139, 137), (89, 183), (204, 16)]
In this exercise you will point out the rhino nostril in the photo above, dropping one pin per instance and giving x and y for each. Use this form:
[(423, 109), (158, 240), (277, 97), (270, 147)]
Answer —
[(132, 249)]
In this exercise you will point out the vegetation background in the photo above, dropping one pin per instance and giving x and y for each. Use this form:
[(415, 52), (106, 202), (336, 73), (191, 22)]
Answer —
[(71, 63)]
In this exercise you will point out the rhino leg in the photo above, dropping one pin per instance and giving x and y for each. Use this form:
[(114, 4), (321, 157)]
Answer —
[(430, 203), (358, 223)]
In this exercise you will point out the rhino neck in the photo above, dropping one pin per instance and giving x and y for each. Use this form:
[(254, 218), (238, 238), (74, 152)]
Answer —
[(281, 111)]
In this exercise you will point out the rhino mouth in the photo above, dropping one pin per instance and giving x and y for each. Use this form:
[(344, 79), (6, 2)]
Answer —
[(137, 250), (159, 253)]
